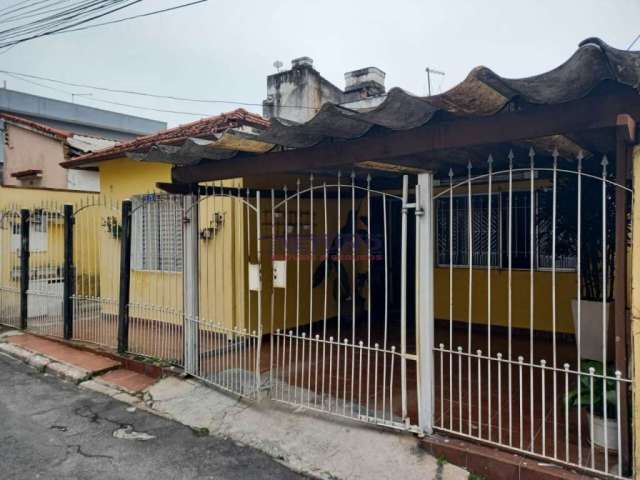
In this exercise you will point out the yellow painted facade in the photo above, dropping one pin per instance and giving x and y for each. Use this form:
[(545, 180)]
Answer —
[(50, 201)]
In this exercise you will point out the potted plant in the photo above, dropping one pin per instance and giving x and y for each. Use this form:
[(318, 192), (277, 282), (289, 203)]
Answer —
[(592, 373)]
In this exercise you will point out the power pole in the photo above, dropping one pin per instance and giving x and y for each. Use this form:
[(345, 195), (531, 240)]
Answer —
[(434, 72)]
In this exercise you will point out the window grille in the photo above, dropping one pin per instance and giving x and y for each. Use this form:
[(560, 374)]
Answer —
[(157, 233)]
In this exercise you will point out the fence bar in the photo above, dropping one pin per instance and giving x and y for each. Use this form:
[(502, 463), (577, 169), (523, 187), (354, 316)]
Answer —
[(24, 266), (68, 275), (425, 323), (125, 278), (190, 282)]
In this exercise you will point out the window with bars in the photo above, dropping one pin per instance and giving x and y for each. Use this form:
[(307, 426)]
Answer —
[(156, 237), (38, 233), (455, 212), (520, 246)]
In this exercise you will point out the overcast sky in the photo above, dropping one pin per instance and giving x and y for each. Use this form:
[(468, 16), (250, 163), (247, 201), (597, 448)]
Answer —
[(224, 50)]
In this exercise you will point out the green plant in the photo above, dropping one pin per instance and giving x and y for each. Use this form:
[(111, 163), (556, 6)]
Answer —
[(584, 399)]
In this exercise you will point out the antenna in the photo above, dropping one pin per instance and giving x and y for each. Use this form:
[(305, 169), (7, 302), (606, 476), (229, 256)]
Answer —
[(277, 65), (434, 72)]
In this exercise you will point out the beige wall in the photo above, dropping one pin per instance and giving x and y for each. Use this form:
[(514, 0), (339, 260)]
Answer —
[(27, 150)]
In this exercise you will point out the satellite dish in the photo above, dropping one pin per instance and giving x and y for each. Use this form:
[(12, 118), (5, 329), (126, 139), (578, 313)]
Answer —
[(277, 65)]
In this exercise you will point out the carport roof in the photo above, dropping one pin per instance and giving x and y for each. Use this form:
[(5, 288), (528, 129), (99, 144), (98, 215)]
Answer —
[(455, 122), (564, 108)]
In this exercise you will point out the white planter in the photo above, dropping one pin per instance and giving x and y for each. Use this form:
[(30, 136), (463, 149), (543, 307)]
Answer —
[(591, 338), (602, 427)]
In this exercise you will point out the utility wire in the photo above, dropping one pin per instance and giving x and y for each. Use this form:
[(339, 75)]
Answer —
[(65, 27), (58, 20), (148, 14), (110, 102), (634, 42), (144, 94)]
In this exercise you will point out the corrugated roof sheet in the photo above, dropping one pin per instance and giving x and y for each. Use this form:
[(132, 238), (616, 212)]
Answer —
[(482, 93)]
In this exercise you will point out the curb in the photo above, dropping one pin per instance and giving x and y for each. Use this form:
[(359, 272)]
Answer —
[(46, 365)]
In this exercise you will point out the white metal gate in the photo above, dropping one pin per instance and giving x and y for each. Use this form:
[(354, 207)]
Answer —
[(338, 304), (520, 363), (223, 288)]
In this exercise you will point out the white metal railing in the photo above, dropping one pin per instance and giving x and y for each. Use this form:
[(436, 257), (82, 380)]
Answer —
[(500, 384)]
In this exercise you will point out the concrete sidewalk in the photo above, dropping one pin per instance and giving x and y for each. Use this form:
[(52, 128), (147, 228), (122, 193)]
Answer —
[(304, 441)]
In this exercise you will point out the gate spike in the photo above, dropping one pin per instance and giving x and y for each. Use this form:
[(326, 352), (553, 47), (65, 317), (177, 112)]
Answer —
[(510, 156), (490, 161), (368, 179), (469, 167), (532, 152), (353, 175), (605, 162), (450, 173), (580, 157)]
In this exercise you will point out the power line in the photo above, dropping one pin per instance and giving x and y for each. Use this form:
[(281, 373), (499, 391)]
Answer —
[(634, 42), (145, 94), (61, 20), (148, 14), (110, 102)]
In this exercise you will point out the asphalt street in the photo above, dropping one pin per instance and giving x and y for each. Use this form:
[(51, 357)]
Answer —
[(50, 429)]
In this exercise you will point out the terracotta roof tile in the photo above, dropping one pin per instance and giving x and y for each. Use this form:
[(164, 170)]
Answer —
[(35, 125), (202, 128)]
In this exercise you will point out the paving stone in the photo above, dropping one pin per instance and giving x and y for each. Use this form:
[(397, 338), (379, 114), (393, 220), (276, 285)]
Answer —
[(60, 352), (128, 380)]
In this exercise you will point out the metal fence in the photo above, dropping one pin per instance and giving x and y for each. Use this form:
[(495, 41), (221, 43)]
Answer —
[(340, 339), (317, 295), (520, 363)]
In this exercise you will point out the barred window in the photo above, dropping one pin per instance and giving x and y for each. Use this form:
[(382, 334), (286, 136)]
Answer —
[(156, 236), (38, 232), (460, 232), (520, 231)]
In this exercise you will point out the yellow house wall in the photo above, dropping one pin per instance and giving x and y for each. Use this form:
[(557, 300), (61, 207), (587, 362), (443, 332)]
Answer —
[(520, 285)]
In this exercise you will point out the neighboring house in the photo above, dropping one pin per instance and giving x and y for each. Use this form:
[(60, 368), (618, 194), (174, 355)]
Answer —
[(33, 153), (296, 95), (39, 133)]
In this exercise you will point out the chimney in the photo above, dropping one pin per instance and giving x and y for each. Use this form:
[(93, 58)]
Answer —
[(302, 62), (365, 82)]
